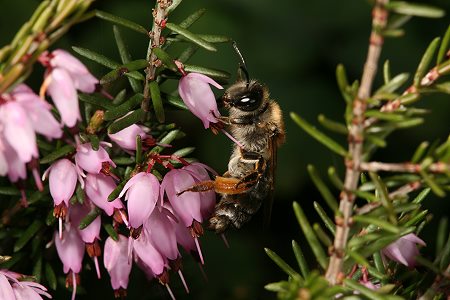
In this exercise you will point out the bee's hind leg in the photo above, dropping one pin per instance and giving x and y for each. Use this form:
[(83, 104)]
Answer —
[(202, 186)]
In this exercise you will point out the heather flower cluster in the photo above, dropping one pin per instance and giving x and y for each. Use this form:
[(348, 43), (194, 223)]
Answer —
[(14, 286)]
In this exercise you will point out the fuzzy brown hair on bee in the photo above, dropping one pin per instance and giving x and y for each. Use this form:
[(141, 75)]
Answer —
[(256, 122)]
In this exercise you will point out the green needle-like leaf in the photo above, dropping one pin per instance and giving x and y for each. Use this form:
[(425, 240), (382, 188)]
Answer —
[(444, 47), (111, 232), (332, 125), (115, 193), (96, 57), (425, 62), (421, 196), (281, 263), (386, 72), (442, 234), (384, 196), (420, 151), (29, 233), (165, 59), (157, 102), (96, 100), (334, 178), (133, 118), (120, 21), (192, 37), (318, 135), (9, 191), (323, 189), (50, 276), (414, 9), (326, 220), (378, 222), (89, 218), (342, 81), (310, 236), (432, 184), (127, 68), (79, 192), (192, 18), (393, 84), (125, 57), (303, 265), (58, 153), (321, 235), (167, 139), (124, 108), (214, 73), (176, 101)]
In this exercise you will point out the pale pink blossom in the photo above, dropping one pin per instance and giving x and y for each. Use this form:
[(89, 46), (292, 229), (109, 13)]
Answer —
[(188, 206), (18, 130), (70, 249), (142, 193), (92, 160), (39, 112), (62, 177), (116, 261), (145, 250), (162, 233), (65, 75), (92, 231), (11, 288), (126, 138), (196, 93), (98, 187), (404, 250), (10, 162)]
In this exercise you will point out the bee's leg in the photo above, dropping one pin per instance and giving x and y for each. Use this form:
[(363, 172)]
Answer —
[(202, 186), (260, 165), (222, 185)]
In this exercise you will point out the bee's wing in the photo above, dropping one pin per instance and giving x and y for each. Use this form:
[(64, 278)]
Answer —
[(272, 164)]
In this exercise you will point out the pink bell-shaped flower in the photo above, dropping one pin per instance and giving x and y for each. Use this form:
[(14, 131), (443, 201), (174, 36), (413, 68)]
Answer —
[(10, 162), (116, 261), (91, 160), (98, 187), (188, 206), (18, 130), (70, 249), (126, 138), (162, 233), (13, 289), (142, 192), (62, 177), (208, 198), (66, 74), (196, 93), (404, 250), (92, 231), (39, 112), (144, 249)]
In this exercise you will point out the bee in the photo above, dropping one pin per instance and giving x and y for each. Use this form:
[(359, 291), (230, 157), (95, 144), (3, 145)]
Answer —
[(256, 122)]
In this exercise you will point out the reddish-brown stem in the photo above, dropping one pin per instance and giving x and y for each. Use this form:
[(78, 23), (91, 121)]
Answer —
[(406, 167), (159, 21), (356, 138)]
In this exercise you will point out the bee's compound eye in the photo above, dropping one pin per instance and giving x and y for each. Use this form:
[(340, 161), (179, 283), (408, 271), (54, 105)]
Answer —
[(245, 100)]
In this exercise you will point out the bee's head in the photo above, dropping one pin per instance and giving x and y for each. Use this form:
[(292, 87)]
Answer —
[(245, 96)]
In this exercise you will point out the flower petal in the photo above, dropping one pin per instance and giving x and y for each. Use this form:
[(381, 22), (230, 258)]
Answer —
[(70, 249), (141, 199), (62, 180), (18, 130), (6, 291), (62, 90)]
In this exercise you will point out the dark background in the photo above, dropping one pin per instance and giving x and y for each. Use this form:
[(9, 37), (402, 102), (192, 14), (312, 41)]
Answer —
[(294, 47)]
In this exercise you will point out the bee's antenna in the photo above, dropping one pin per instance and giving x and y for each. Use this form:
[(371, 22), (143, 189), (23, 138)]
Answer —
[(242, 64)]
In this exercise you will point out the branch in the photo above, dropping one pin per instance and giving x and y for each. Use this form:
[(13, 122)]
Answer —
[(407, 167), (356, 137), (159, 20)]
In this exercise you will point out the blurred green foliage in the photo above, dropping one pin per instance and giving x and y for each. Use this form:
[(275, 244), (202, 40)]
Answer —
[(294, 47)]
